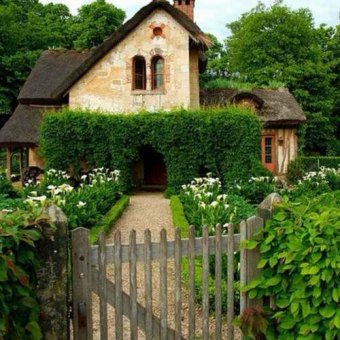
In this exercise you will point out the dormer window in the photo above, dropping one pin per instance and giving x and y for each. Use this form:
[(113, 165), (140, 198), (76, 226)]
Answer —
[(139, 73), (157, 73)]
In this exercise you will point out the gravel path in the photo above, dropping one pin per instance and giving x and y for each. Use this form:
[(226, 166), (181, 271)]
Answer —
[(147, 210)]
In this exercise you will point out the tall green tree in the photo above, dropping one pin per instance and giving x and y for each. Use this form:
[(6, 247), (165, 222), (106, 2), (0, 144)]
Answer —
[(280, 44), (95, 22), (28, 27)]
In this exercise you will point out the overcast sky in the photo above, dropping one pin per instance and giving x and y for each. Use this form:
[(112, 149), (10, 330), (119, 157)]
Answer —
[(212, 15)]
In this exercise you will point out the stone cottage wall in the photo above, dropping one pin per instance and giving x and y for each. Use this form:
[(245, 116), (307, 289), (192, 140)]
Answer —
[(107, 86)]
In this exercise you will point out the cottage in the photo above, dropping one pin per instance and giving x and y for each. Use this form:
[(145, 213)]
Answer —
[(151, 62)]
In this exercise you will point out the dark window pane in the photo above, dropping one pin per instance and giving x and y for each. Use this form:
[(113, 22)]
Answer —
[(268, 159), (268, 141), (139, 74), (157, 73)]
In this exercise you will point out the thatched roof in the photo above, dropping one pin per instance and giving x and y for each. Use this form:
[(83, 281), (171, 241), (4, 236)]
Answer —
[(47, 77), (274, 107), (23, 126)]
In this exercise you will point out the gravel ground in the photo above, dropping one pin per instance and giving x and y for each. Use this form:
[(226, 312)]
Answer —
[(147, 210)]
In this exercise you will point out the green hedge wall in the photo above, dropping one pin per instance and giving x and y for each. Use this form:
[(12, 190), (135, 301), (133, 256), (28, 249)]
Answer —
[(225, 141), (313, 163)]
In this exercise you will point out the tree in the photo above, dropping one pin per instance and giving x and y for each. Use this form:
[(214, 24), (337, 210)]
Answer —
[(277, 43), (95, 22)]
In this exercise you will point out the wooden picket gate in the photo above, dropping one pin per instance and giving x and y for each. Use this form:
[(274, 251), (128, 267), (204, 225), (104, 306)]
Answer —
[(89, 264)]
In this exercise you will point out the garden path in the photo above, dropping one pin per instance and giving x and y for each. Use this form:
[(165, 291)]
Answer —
[(147, 210)]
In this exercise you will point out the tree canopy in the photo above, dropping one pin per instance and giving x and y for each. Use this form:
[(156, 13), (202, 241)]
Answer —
[(28, 27), (283, 45)]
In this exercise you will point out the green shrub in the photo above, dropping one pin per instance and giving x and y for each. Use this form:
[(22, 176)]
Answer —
[(109, 219), (295, 171), (315, 163), (315, 183), (300, 265), (6, 187), (255, 190), (19, 309), (225, 141)]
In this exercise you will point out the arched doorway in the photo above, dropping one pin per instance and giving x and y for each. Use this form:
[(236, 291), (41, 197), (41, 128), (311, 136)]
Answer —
[(150, 171)]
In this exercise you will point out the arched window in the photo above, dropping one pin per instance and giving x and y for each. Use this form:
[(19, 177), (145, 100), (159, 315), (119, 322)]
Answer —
[(157, 68), (139, 73)]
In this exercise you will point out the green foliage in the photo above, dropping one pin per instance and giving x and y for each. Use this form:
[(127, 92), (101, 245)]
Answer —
[(254, 190), (300, 266), (314, 163), (94, 22), (279, 45), (19, 309), (178, 217), (28, 27), (109, 219), (226, 83), (225, 141), (295, 171), (6, 188), (205, 204)]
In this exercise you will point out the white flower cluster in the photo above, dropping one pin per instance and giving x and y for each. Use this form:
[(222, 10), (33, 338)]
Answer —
[(262, 179), (320, 176), (57, 174), (100, 176)]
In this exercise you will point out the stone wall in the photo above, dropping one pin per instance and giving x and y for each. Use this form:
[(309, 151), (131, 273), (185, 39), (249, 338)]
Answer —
[(107, 86)]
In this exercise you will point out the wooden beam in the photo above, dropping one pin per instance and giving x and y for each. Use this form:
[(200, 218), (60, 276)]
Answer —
[(9, 163)]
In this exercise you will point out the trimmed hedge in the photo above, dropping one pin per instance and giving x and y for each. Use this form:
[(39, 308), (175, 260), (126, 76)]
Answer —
[(314, 163), (109, 219), (223, 141)]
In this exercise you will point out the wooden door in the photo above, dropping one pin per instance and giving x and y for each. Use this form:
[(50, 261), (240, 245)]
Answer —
[(268, 152)]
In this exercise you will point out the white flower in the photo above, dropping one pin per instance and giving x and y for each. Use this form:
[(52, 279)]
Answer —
[(81, 204), (33, 193), (202, 205), (214, 204), (83, 178), (39, 198), (51, 187)]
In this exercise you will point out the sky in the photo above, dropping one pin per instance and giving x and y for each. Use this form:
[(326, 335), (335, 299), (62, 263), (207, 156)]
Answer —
[(213, 15)]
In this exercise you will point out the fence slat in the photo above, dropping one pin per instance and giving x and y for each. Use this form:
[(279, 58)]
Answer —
[(218, 274), (102, 288), (133, 287), (230, 284), (81, 271), (163, 298), (191, 283), (118, 290), (205, 285), (178, 285), (148, 284)]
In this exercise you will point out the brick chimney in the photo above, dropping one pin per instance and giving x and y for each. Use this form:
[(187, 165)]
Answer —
[(186, 6)]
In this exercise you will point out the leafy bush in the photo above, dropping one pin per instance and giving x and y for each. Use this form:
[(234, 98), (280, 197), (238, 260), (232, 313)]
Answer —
[(225, 141), (6, 187), (315, 163), (19, 309), (316, 183), (85, 205), (300, 265), (205, 204), (255, 190), (110, 218), (295, 171)]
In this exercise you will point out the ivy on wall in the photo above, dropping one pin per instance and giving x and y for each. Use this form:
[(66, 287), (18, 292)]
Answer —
[(224, 141)]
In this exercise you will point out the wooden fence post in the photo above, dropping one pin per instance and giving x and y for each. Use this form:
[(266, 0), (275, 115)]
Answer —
[(81, 277), (52, 281), (265, 208), (249, 260)]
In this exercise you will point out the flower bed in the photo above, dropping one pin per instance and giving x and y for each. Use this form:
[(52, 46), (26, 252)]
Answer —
[(84, 204)]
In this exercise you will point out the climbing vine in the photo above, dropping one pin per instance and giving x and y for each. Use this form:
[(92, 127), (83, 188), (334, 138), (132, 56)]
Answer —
[(225, 142)]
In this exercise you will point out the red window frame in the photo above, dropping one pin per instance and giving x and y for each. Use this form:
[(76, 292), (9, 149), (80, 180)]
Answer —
[(268, 152)]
